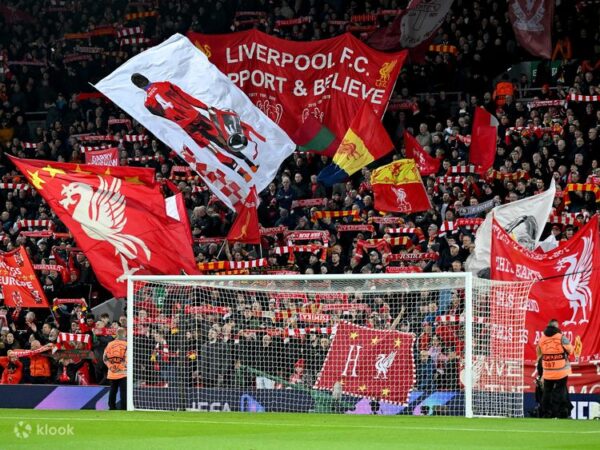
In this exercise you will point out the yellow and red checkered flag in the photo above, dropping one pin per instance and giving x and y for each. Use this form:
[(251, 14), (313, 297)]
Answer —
[(377, 364)]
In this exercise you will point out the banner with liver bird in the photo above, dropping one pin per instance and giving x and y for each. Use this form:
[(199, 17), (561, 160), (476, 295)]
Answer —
[(568, 286), (376, 364), (118, 217)]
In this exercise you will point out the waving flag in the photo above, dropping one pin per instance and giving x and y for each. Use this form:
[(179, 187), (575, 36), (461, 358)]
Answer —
[(184, 100), (568, 286), (398, 187), (365, 141), (426, 164), (377, 364), (20, 286), (414, 25), (482, 151), (118, 217), (531, 21), (524, 220), (245, 227)]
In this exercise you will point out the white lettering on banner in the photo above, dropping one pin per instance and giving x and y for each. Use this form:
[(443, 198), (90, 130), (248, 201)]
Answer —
[(584, 389), (271, 56), (503, 368), (504, 265), (501, 332), (532, 305), (350, 360), (258, 78), (353, 88), (525, 273)]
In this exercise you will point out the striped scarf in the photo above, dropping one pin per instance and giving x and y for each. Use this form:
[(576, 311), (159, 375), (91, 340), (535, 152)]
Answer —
[(580, 187), (317, 215), (232, 265)]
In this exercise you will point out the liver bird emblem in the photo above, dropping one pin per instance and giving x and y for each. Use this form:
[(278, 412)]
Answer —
[(101, 214), (383, 364), (576, 281)]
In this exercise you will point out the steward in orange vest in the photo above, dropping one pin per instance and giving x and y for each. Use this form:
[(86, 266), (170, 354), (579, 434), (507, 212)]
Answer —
[(503, 88), (553, 351), (115, 358)]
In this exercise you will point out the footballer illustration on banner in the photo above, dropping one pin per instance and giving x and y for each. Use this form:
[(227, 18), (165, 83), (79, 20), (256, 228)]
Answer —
[(184, 100)]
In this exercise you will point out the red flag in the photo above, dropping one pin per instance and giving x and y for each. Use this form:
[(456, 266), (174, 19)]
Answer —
[(105, 157), (245, 227), (398, 187), (427, 165), (117, 216), (567, 290), (377, 364), (532, 23), (482, 151), (20, 286), (416, 24)]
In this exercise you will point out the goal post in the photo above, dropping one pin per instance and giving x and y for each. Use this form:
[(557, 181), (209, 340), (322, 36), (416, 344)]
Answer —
[(421, 344)]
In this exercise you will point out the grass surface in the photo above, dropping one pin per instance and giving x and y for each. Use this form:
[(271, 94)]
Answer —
[(158, 430)]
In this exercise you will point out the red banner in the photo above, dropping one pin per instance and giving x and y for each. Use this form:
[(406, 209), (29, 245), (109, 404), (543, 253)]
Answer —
[(20, 286), (107, 157), (569, 283), (289, 81), (118, 217), (427, 164), (532, 23), (377, 364)]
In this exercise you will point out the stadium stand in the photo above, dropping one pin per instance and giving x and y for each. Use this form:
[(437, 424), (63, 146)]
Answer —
[(546, 132)]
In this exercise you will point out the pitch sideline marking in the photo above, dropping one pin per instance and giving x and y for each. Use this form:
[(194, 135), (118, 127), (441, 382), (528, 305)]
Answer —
[(316, 425)]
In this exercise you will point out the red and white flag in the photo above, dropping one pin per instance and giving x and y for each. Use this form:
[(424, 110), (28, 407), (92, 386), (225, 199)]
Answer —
[(567, 289), (118, 217), (377, 364), (20, 286), (245, 228), (184, 100), (425, 162), (532, 24), (106, 157), (483, 140)]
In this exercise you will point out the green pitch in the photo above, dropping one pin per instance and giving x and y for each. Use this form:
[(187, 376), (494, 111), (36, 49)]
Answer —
[(153, 430)]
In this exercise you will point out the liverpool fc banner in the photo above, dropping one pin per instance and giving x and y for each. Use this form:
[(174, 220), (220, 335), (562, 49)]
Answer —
[(327, 80), (568, 285), (20, 287), (377, 364), (184, 100)]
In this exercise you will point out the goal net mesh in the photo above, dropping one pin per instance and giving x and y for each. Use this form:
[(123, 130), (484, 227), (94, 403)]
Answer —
[(362, 345)]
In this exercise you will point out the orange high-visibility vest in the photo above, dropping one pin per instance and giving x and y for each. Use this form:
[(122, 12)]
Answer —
[(555, 361), (115, 357), (503, 88)]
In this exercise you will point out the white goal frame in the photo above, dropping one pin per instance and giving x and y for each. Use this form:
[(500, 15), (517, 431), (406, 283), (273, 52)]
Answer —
[(467, 278)]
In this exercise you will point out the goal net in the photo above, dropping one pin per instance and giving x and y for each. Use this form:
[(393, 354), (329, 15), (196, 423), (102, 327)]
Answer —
[(418, 344)]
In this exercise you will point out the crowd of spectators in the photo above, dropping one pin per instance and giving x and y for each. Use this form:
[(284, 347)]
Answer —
[(44, 101)]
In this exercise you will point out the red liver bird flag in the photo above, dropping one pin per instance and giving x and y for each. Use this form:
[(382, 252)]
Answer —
[(427, 165), (532, 23), (118, 217), (20, 286), (398, 187), (377, 364), (567, 290), (483, 140), (245, 227)]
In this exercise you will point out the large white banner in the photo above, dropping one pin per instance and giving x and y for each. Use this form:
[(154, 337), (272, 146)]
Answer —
[(184, 100), (524, 220)]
